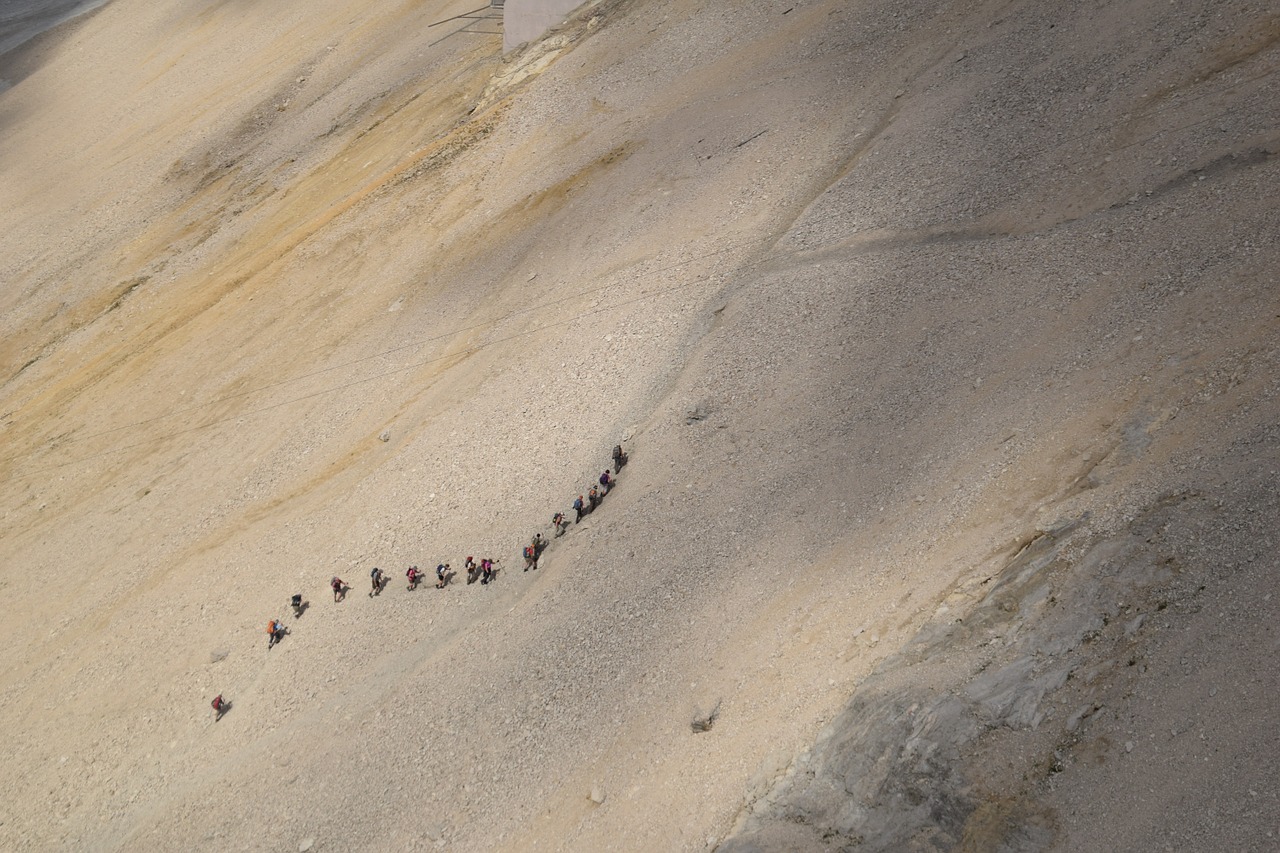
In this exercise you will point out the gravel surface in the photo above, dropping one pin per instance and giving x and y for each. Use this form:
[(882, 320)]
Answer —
[(942, 338)]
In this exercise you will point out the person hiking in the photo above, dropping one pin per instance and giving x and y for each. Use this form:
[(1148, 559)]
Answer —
[(560, 523), (619, 458), (442, 577), (220, 707), (296, 604), (486, 570), (339, 589), (530, 558), (472, 569), (378, 580), (606, 481), (577, 507), (413, 575), (275, 632), (594, 497), (539, 544)]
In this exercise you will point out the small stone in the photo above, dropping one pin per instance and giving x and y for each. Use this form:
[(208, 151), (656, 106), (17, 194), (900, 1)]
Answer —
[(306, 844), (597, 794), (1128, 746), (386, 435)]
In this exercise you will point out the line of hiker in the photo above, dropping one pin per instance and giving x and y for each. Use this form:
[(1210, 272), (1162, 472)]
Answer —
[(584, 507), (484, 570)]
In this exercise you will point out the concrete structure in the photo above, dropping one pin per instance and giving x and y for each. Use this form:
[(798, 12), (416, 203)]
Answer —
[(526, 20)]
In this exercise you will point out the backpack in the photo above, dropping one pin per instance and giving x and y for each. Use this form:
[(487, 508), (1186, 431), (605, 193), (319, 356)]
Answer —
[(528, 552), (617, 451), (577, 504)]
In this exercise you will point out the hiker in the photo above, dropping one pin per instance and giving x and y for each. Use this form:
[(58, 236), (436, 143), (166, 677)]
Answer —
[(619, 459), (377, 577), (530, 558), (296, 604), (539, 544), (275, 632), (606, 481), (441, 576), (594, 497), (472, 569), (339, 589), (413, 575), (560, 523), (220, 707), (486, 570), (577, 507)]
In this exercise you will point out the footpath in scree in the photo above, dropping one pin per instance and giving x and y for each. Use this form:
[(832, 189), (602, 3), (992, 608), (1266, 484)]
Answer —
[(485, 570)]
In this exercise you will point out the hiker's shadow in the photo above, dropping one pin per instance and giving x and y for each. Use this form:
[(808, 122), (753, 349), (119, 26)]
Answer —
[(448, 577), (299, 609)]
